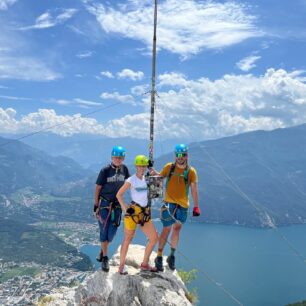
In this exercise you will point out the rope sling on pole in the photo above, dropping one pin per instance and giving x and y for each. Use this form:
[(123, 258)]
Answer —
[(155, 183)]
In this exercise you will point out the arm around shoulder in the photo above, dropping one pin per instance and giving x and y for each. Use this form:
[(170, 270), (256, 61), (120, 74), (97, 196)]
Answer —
[(152, 171), (164, 172)]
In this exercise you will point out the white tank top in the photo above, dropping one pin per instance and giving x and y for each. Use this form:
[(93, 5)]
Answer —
[(138, 190)]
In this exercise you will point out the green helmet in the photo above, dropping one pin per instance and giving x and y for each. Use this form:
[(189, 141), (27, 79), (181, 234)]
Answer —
[(141, 160)]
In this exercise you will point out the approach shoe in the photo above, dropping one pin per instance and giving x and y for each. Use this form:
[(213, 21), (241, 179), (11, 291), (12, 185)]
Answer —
[(104, 264), (100, 256), (122, 270), (148, 268), (171, 262), (159, 263)]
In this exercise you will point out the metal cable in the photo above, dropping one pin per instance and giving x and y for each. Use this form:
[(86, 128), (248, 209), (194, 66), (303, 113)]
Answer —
[(58, 124)]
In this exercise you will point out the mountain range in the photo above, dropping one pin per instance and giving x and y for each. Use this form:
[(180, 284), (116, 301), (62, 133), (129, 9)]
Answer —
[(35, 185), (93, 151), (24, 166), (251, 179)]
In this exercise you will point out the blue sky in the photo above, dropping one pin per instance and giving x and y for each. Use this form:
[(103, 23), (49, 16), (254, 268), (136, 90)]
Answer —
[(223, 67)]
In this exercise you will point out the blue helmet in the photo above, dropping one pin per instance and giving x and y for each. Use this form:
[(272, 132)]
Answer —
[(118, 151), (181, 148)]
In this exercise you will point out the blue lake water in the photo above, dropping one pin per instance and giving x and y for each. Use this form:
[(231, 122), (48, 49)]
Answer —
[(256, 266)]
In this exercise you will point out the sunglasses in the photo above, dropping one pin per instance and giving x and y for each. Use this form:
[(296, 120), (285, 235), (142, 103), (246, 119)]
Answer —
[(181, 155)]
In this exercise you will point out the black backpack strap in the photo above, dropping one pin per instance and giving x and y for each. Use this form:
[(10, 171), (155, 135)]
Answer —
[(186, 172), (170, 173)]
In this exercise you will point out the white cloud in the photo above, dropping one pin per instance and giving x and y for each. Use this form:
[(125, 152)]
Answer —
[(85, 54), (203, 109), (172, 79), (140, 90), (107, 74), (116, 96), (4, 4), (124, 74), (51, 18), (185, 27), (138, 125), (23, 68), (130, 74), (77, 102), (194, 109), (248, 63), (8, 123), (47, 119), (15, 98), (17, 60), (80, 75), (76, 30)]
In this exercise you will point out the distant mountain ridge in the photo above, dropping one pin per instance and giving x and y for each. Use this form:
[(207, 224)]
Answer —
[(92, 151), (35, 186), (252, 179), (22, 166)]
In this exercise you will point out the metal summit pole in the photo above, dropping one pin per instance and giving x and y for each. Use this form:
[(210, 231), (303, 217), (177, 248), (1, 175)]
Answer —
[(153, 92), (154, 182)]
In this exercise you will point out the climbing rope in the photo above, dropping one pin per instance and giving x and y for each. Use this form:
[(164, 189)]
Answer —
[(256, 206)]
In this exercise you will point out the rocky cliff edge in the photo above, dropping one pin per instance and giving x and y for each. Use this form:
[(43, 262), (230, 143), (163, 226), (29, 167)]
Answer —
[(136, 288)]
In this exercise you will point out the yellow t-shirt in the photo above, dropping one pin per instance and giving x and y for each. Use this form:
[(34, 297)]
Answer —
[(176, 189)]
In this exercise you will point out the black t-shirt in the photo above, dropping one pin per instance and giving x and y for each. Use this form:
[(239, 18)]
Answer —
[(111, 179)]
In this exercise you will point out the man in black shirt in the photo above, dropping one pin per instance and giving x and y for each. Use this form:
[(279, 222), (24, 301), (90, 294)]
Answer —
[(106, 205)]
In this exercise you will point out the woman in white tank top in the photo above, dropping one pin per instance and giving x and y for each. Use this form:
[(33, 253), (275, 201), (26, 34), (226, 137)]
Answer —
[(137, 213)]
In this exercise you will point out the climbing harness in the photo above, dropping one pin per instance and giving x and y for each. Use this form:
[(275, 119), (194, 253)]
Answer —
[(112, 208), (141, 217), (166, 208)]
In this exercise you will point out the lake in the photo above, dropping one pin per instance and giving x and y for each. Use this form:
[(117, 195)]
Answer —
[(256, 266)]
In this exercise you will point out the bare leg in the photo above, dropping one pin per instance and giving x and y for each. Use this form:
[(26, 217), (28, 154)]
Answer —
[(150, 231), (128, 236), (175, 235), (164, 237), (104, 246)]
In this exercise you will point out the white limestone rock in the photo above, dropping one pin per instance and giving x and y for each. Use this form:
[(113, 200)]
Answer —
[(137, 288)]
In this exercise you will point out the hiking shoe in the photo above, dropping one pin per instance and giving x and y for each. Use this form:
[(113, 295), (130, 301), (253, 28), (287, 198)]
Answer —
[(100, 256), (171, 262), (122, 270), (104, 264), (148, 268), (159, 263)]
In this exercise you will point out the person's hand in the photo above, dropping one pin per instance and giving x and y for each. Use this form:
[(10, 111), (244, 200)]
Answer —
[(196, 211), (150, 163), (130, 210), (152, 171), (96, 210)]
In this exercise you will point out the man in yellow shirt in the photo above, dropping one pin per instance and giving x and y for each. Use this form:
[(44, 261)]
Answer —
[(180, 176)]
